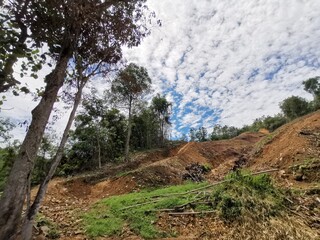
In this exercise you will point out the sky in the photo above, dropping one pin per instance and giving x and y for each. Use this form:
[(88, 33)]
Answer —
[(223, 61)]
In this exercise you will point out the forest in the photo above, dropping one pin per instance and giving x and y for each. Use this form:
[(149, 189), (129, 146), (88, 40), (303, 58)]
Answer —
[(81, 41)]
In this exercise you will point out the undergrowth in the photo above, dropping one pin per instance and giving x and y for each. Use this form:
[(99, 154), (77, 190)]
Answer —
[(238, 195), (53, 232)]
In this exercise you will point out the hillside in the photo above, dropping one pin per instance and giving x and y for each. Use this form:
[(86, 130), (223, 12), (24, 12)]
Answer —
[(294, 150)]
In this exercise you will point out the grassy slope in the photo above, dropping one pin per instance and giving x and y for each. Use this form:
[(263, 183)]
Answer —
[(240, 195)]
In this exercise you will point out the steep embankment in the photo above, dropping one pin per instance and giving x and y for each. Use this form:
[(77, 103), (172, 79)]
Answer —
[(294, 149)]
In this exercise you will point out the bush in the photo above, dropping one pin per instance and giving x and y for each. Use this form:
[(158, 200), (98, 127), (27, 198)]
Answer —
[(230, 208)]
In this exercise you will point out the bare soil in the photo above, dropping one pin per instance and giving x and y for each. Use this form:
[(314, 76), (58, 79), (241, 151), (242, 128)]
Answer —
[(294, 149)]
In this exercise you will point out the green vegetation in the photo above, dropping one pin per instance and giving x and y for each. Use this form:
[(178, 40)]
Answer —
[(239, 195), (6, 160), (294, 107), (109, 215), (307, 169), (52, 229)]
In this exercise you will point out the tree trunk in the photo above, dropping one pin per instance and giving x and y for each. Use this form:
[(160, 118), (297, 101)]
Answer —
[(127, 146), (26, 232), (15, 191), (99, 148)]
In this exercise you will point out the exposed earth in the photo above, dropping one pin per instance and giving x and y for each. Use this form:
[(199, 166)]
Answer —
[(293, 149)]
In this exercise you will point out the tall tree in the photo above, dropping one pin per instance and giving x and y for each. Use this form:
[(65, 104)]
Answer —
[(145, 128), (129, 85), (162, 108), (79, 76), (92, 29)]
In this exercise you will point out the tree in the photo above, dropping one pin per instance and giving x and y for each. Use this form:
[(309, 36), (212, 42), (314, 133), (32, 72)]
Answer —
[(192, 134), (80, 76), (13, 33), (312, 85), (90, 28), (294, 107), (201, 134), (129, 85), (162, 108), (5, 127), (223, 132), (145, 128), (99, 135)]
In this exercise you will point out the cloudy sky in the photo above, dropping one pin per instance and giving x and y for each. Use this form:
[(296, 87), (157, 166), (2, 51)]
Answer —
[(227, 61), (230, 61)]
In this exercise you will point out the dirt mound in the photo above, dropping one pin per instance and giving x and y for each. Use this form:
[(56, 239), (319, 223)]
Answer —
[(220, 156)]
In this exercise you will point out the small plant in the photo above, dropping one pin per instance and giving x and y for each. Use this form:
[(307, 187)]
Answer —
[(53, 232), (230, 208)]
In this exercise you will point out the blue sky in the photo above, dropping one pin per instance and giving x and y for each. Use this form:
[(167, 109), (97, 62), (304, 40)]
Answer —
[(222, 61), (230, 62)]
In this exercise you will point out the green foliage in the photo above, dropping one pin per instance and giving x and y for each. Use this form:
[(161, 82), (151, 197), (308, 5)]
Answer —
[(5, 127), (230, 208), (43, 161), (130, 84), (14, 37), (224, 132), (312, 85), (240, 195), (247, 194), (199, 135), (267, 122), (161, 107), (98, 131), (145, 130), (294, 107), (272, 123), (7, 156), (53, 232)]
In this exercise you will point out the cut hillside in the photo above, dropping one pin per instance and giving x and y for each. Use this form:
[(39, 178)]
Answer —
[(220, 156), (293, 149)]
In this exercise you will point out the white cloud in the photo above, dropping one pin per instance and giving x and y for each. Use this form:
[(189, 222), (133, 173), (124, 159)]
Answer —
[(239, 57), (226, 61)]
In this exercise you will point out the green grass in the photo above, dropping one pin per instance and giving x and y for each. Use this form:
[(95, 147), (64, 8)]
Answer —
[(109, 215), (241, 194)]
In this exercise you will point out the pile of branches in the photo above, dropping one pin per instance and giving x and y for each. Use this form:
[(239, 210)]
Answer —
[(195, 172)]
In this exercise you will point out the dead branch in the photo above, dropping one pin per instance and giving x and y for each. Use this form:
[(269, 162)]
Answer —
[(140, 204), (215, 183), (192, 191), (191, 213)]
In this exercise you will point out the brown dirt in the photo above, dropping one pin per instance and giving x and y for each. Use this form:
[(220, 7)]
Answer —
[(294, 144), (289, 146)]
